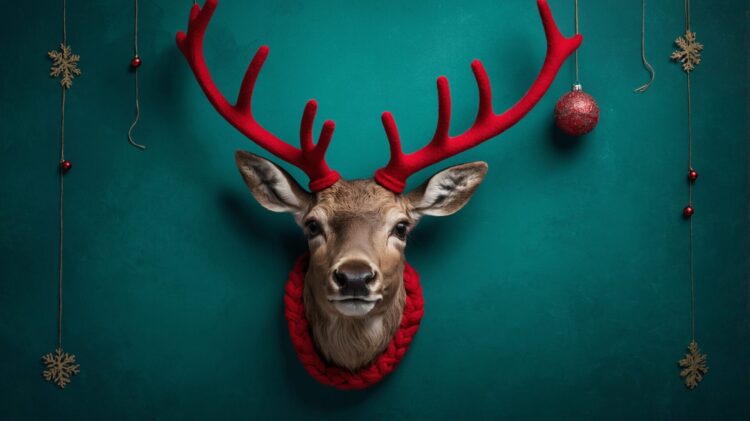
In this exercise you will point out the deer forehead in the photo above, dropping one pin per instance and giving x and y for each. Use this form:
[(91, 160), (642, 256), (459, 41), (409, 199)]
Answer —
[(349, 201)]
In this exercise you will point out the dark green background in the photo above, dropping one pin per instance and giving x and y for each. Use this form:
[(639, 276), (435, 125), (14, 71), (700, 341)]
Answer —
[(560, 291)]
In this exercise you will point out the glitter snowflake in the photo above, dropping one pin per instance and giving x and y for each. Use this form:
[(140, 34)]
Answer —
[(64, 65), (693, 366), (689, 53), (60, 367)]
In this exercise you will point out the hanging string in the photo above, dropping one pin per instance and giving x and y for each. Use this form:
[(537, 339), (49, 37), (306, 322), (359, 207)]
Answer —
[(690, 203), (646, 64), (62, 195), (690, 185), (693, 364), (61, 227), (61, 365), (578, 81), (135, 64)]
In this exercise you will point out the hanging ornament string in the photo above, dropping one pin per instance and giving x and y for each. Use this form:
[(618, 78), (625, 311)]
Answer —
[(693, 364), (135, 63), (576, 113), (578, 80), (61, 365), (65, 166), (646, 64)]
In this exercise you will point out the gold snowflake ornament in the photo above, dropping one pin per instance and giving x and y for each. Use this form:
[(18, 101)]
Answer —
[(64, 65), (693, 366), (60, 366), (689, 53)]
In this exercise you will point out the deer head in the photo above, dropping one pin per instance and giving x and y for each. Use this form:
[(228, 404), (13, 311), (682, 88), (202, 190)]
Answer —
[(357, 230)]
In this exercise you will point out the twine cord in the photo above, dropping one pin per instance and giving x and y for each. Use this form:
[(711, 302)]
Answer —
[(61, 174), (61, 226), (692, 365), (646, 64), (690, 203), (135, 29), (578, 81), (691, 270), (135, 74), (60, 365), (65, 22), (691, 246)]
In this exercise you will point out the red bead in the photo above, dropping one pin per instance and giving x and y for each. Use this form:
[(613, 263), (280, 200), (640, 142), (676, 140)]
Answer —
[(135, 62), (66, 165), (692, 176), (688, 211)]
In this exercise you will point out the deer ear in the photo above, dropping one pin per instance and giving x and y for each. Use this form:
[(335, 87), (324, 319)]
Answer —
[(448, 191), (271, 186)]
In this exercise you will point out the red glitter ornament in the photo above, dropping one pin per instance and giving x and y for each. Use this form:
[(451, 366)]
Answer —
[(65, 165), (692, 176), (576, 112), (688, 211), (135, 62)]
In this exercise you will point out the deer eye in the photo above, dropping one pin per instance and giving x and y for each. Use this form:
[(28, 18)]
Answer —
[(313, 228), (400, 230)]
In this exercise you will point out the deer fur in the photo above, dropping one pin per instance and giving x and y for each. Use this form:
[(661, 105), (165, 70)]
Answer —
[(356, 221)]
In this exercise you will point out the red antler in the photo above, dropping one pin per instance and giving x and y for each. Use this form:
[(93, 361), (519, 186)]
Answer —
[(486, 125), (309, 158)]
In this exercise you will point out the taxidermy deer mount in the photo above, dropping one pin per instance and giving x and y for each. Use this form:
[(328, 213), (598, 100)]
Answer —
[(353, 285)]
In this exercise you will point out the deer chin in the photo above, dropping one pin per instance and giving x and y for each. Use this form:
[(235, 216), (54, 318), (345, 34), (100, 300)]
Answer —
[(355, 306)]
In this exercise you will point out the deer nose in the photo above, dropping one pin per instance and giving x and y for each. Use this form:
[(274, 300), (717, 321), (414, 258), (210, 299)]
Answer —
[(352, 277)]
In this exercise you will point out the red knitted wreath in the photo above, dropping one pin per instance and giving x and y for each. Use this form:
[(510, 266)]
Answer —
[(299, 332)]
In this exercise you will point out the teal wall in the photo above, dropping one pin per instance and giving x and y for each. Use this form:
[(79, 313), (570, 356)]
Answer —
[(560, 291)]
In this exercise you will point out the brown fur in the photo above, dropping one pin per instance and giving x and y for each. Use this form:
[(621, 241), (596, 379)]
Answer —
[(356, 221), (350, 342), (356, 213)]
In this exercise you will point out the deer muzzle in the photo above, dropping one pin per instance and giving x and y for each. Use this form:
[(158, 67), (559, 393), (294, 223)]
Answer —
[(354, 280)]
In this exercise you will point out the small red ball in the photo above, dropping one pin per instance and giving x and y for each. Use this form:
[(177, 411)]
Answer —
[(576, 113), (135, 62), (66, 165), (692, 176), (688, 211)]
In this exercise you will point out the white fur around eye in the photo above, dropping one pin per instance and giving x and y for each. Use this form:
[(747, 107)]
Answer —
[(396, 243), (316, 241)]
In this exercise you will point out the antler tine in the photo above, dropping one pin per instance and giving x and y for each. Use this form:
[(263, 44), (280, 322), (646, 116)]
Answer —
[(394, 139), (441, 131), (444, 111), (309, 158), (484, 112), (245, 96), (306, 138), (487, 124)]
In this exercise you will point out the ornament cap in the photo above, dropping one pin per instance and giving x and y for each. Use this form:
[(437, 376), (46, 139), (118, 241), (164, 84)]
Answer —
[(577, 87)]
